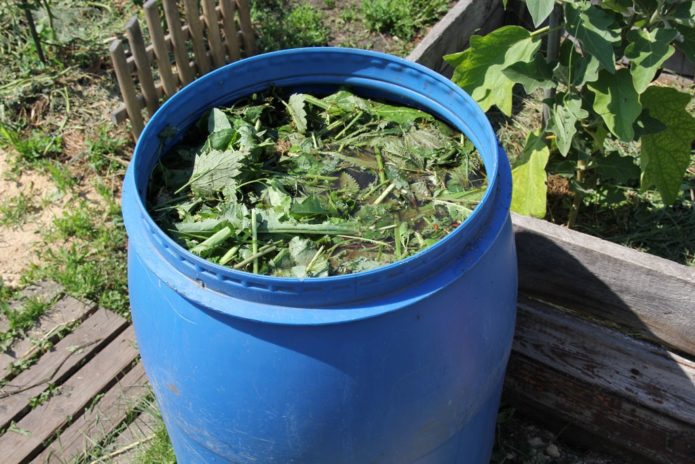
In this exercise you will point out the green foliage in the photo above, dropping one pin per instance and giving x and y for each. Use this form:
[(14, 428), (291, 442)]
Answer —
[(103, 149), (15, 210), (300, 186), (529, 195), (401, 18), (599, 92), (32, 147), (280, 24)]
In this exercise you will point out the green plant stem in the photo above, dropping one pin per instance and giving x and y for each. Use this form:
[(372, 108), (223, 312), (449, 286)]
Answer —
[(34, 34), (553, 47), (254, 243), (577, 201), (254, 258), (380, 166)]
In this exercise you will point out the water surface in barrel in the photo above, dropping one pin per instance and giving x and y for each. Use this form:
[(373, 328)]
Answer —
[(293, 185)]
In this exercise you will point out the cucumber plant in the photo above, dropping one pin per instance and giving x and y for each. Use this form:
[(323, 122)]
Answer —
[(597, 72)]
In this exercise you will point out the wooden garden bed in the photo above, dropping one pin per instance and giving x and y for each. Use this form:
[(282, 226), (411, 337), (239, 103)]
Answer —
[(605, 338)]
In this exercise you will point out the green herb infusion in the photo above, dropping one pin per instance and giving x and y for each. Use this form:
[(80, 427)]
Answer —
[(302, 186)]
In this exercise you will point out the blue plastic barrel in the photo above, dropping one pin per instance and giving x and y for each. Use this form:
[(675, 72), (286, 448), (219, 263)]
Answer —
[(397, 365)]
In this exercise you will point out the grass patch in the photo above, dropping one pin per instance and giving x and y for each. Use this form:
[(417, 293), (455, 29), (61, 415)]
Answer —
[(17, 209), (159, 450), (91, 261), (281, 24), (402, 18), (20, 320)]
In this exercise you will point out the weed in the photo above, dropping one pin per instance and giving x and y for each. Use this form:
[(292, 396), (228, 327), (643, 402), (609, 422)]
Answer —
[(103, 149), (60, 175), (160, 450), (50, 391), (401, 18), (303, 26), (33, 147), (16, 210), (348, 15), (90, 262), (22, 319)]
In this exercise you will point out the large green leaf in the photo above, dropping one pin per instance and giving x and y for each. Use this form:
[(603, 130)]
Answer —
[(478, 70), (214, 171), (617, 102), (647, 52), (540, 10), (528, 175), (596, 31), (574, 68), (534, 75), (665, 155), (563, 119), (297, 112)]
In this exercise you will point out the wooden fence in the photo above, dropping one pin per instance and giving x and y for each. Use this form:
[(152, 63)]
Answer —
[(148, 74)]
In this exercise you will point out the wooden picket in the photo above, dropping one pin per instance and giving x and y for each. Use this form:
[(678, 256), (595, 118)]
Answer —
[(217, 32)]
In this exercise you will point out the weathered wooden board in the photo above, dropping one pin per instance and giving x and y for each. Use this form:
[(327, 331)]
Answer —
[(58, 363), (451, 33), (641, 372), (66, 311), (134, 439), (597, 413), (653, 297), (99, 421), (44, 291), (74, 395)]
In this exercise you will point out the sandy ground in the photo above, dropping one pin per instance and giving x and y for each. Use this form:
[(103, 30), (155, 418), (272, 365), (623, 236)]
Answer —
[(18, 243)]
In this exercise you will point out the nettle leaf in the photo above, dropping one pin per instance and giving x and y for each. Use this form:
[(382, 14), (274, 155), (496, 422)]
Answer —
[(528, 176), (596, 31), (534, 75), (647, 52), (214, 171), (666, 155), (478, 69), (295, 107), (563, 119), (575, 68), (617, 102), (218, 121), (401, 115)]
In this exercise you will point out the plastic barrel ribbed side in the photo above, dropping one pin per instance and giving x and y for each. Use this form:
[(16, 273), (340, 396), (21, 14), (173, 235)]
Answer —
[(402, 364)]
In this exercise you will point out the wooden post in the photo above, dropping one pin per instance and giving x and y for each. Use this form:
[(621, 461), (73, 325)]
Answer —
[(142, 64), (213, 27), (246, 27), (231, 34), (178, 44), (159, 45), (196, 29), (125, 83)]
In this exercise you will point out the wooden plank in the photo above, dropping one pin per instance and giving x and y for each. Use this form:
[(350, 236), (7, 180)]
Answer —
[(641, 372), (58, 363), (231, 34), (99, 421), (178, 43), (125, 83), (452, 32), (74, 395), (65, 312), (603, 416), (246, 27), (651, 296), (142, 62), (213, 28), (196, 28), (160, 47)]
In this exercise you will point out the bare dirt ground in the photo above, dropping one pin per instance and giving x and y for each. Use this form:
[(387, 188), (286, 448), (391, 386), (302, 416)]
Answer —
[(18, 241)]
